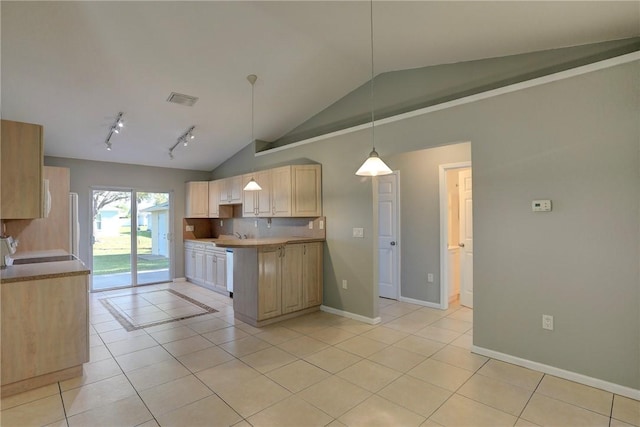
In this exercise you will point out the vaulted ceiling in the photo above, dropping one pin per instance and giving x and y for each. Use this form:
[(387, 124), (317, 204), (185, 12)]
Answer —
[(72, 66)]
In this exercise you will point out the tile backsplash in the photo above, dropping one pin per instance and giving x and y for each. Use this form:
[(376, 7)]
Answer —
[(254, 227)]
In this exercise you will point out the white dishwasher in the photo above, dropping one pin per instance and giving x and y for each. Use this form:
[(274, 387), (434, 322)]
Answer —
[(230, 272)]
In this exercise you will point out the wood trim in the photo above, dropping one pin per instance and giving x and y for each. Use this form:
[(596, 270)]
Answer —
[(40, 381)]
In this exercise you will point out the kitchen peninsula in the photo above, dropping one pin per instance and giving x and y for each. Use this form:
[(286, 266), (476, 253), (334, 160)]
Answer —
[(45, 321)]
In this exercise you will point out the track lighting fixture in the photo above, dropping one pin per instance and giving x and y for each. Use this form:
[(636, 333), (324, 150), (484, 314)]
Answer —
[(184, 139), (115, 128)]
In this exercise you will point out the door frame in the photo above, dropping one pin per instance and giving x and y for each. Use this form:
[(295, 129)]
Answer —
[(134, 220), (398, 257), (444, 229)]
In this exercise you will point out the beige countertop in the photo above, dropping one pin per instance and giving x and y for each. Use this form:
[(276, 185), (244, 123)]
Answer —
[(255, 243), (43, 270)]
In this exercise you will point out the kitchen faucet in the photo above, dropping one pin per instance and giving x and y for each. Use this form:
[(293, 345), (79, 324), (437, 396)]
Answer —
[(238, 235)]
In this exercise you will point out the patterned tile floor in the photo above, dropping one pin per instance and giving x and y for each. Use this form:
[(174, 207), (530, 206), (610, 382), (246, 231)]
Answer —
[(413, 369)]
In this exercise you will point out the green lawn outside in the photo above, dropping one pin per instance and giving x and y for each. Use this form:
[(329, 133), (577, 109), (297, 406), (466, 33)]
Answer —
[(113, 254)]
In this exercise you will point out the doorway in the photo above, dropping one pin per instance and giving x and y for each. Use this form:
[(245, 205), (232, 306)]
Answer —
[(456, 234), (387, 189), (131, 235)]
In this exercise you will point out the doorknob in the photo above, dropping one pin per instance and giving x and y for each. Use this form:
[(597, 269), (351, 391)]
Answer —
[(393, 243), (461, 245)]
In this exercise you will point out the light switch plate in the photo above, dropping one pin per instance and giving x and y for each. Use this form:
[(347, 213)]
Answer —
[(321, 224), (310, 225), (358, 232), (541, 206)]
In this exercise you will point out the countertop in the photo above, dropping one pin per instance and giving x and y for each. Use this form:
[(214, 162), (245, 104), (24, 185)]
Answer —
[(255, 243), (44, 270)]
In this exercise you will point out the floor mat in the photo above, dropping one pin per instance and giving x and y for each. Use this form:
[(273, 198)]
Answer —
[(146, 309)]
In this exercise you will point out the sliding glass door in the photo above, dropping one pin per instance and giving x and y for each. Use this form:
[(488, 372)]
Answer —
[(131, 241)]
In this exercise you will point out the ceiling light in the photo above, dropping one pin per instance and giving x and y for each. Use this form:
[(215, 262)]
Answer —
[(114, 129), (252, 185), (184, 139), (374, 165)]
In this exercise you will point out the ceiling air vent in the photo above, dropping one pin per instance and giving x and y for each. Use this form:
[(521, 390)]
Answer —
[(179, 98)]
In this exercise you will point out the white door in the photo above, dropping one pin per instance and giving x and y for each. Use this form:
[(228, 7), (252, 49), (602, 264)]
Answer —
[(466, 238), (388, 248)]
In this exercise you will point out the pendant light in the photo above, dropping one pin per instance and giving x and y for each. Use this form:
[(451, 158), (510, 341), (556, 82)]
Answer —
[(374, 165), (252, 185)]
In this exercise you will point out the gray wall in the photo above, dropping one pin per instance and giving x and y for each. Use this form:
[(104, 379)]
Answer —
[(420, 216), (85, 174), (574, 141)]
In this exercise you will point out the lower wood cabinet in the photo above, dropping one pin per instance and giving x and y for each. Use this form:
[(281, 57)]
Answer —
[(45, 331), (205, 265), (289, 279)]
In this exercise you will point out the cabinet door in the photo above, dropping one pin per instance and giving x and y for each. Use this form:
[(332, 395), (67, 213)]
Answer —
[(235, 189), (249, 199), (292, 278), (312, 274), (189, 263), (211, 269), (221, 272), (214, 199), (21, 182), (224, 194), (306, 181), (269, 290), (281, 191), (263, 197), (197, 205), (199, 266)]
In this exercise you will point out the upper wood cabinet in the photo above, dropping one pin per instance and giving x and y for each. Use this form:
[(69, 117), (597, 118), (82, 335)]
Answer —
[(306, 188), (21, 173), (197, 199), (257, 203), (230, 190), (281, 191), (214, 199)]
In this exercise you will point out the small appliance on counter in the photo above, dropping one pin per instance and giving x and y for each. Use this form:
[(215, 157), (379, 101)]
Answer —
[(7, 248)]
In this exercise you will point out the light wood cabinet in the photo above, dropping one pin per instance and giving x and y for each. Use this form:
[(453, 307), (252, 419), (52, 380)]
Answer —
[(45, 331), (197, 200), (269, 282), (257, 203), (292, 280), (214, 199), (205, 265), (306, 188), (21, 182), (231, 190), (287, 282), (312, 274), (281, 191)]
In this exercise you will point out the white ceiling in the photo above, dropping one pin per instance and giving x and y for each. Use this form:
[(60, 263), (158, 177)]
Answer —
[(72, 66)]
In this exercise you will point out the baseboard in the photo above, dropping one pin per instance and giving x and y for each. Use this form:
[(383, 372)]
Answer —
[(420, 302), (179, 279), (561, 373), (369, 320)]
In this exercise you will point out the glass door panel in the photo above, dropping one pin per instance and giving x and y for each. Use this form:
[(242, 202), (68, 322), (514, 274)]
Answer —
[(153, 238), (111, 239)]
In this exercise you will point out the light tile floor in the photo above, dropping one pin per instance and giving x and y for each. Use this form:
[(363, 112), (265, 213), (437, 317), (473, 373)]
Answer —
[(413, 369)]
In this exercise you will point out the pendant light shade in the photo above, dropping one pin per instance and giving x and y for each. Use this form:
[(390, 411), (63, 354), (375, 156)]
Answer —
[(252, 185), (374, 165)]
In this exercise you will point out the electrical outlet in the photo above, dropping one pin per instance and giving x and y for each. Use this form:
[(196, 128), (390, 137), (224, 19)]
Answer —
[(430, 278), (190, 228), (221, 223), (547, 322), (358, 232), (321, 224), (344, 284), (255, 223), (310, 225)]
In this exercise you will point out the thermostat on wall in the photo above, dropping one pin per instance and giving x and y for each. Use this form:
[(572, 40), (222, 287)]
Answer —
[(541, 205)]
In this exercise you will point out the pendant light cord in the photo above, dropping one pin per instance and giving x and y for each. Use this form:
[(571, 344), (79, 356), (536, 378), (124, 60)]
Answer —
[(373, 132), (252, 108)]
